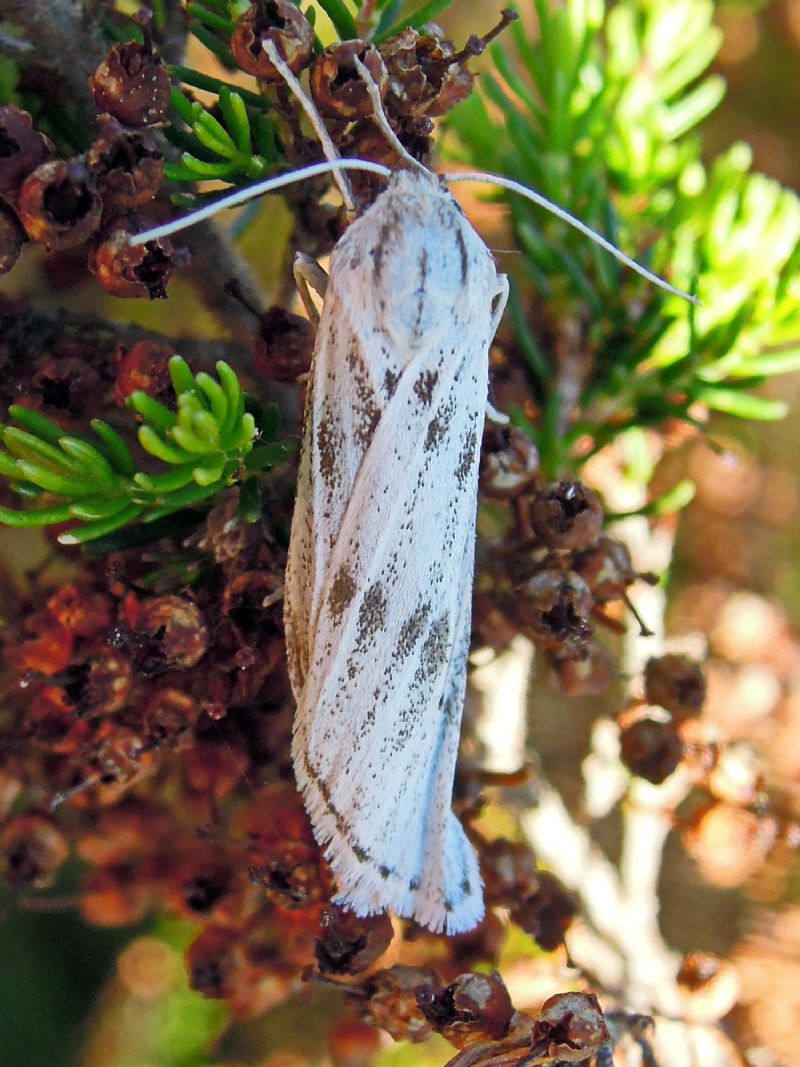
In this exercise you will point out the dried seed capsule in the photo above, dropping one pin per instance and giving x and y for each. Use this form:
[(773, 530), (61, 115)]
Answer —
[(84, 611), (676, 683), (281, 22), (607, 569), (292, 875), (570, 1028), (100, 682), (555, 605), (283, 346), (67, 386), (651, 749), (132, 84), (425, 75), (589, 673), (127, 167), (392, 1002), (12, 238), (511, 467), (509, 871), (59, 205), (349, 943), (547, 913), (143, 368), (336, 85), (134, 271), (22, 149), (163, 632), (117, 895), (567, 516), (32, 850), (474, 1008)]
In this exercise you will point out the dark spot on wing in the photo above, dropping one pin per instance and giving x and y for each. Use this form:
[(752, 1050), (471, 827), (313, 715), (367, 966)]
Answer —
[(424, 386), (390, 380), (411, 631), (343, 589), (371, 614), (466, 459)]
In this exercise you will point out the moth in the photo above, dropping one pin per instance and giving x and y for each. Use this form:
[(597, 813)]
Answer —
[(380, 565), (379, 576)]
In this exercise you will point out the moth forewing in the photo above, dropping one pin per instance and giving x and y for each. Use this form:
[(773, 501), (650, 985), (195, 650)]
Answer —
[(379, 579)]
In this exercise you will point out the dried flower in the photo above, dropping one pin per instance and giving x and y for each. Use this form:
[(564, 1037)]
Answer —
[(127, 167), (134, 271), (555, 606), (336, 84), (132, 84), (470, 1010), (676, 683), (143, 368), (547, 913), (22, 149), (59, 205), (32, 850), (392, 1002), (567, 516), (651, 749), (278, 21), (570, 1028), (350, 943), (12, 238), (510, 466)]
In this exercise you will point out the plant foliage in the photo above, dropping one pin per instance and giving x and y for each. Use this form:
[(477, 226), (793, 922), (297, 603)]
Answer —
[(207, 443)]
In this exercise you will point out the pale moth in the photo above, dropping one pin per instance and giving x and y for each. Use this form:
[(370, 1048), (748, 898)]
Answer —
[(379, 576)]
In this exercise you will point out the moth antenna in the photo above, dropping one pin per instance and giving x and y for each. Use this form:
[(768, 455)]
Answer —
[(328, 147), (581, 227), (379, 115), (268, 185)]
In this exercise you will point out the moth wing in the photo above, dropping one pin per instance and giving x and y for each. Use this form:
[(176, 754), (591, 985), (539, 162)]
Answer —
[(381, 559)]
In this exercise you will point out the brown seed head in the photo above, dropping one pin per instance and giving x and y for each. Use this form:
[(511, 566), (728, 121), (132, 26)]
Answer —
[(12, 238), (127, 167), (470, 1010), (132, 84), (22, 150), (651, 749), (134, 271), (676, 683), (567, 516), (32, 850), (348, 943), (59, 205), (281, 22), (509, 871), (392, 1002), (606, 567), (555, 606), (336, 84), (570, 1028), (511, 467), (67, 386), (547, 913), (589, 673), (163, 632), (143, 367), (425, 77)]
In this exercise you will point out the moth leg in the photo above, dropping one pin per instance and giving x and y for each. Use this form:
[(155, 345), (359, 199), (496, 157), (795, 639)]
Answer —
[(308, 275)]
